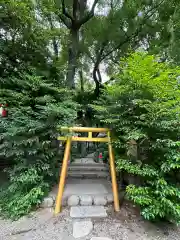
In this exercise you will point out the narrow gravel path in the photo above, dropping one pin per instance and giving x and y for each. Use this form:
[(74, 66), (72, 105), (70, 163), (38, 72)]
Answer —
[(126, 225)]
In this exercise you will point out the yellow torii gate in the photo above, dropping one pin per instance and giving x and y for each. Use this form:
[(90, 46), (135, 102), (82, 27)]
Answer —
[(70, 139)]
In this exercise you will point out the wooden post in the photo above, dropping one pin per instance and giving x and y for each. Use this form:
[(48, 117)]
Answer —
[(113, 175), (89, 134), (63, 176)]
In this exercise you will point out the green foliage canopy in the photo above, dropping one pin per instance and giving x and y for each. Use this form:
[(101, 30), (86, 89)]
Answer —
[(143, 105), (28, 138)]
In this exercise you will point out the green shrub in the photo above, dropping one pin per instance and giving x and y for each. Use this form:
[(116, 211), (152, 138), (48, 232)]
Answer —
[(28, 138), (143, 105)]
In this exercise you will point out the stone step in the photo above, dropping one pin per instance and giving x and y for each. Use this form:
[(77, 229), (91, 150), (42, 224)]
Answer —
[(88, 174), (88, 212), (88, 167), (98, 164), (91, 155), (84, 161)]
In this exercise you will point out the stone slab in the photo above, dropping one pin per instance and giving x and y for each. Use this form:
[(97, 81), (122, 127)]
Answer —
[(100, 238), (68, 238), (88, 212), (82, 228), (85, 189)]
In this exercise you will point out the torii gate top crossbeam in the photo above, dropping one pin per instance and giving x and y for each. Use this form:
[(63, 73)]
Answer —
[(86, 139)]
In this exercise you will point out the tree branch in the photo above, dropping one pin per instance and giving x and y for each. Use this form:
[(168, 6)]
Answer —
[(128, 38), (96, 71), (65, 12), (65, 20), (89, 15), (99, 55)]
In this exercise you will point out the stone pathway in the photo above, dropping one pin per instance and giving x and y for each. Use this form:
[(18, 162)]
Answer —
[(87, 191), (88, 216), (125, 225)]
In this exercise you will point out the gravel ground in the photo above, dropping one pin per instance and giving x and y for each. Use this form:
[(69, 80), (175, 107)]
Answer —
[(126, 225)]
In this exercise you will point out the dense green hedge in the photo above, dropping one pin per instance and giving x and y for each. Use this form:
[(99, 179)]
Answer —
[(28, 138), (143, 106)]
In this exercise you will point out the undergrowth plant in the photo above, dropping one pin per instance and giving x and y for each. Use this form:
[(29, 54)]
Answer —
[(142, 106), (28, 138)]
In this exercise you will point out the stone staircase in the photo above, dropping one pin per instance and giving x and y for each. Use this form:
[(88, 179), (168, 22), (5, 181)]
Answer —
[(87, 184), (87, 170)]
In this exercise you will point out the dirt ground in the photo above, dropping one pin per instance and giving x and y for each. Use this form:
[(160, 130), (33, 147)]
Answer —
[(125, 225)]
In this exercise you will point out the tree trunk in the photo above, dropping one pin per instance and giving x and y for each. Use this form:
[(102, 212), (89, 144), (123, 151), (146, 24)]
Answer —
[(72, 58), (99, 75), (96, 80), (81, 80)]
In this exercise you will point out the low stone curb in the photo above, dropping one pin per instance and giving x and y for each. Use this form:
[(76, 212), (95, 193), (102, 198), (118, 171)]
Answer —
[(85, 200)]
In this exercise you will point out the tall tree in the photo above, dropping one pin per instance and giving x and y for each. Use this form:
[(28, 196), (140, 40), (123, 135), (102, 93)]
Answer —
[(74, 21)]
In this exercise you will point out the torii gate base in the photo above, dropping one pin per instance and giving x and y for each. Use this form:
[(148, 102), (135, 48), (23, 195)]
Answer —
[(68, 140)]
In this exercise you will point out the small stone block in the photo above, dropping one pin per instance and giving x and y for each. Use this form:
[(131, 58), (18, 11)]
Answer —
[(73, 200), (88, 212), (100, 200), (86, 200), (110, 198), (47, 202), (82, 229)]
